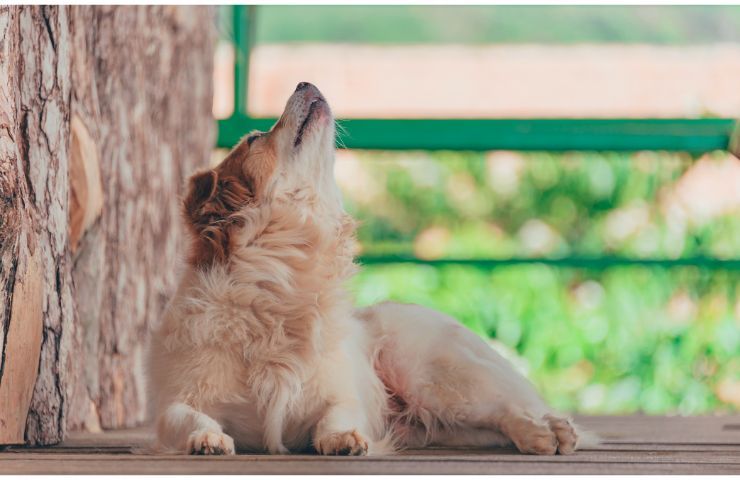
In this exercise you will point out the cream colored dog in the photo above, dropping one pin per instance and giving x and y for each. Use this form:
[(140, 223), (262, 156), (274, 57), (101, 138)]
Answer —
[(262, 349)]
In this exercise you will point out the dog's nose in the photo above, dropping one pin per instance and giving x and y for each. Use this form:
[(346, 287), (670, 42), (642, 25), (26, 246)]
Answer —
[(302, 86)]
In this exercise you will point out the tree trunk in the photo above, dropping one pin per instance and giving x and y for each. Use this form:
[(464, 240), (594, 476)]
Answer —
[(104, 111)]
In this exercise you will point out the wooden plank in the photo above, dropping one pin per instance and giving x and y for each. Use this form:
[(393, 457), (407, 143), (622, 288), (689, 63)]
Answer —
[(296, 463), (130, 438), (634, 445), (625, 429), (241, 465), (665, 429), (416, 456), (672, 447)]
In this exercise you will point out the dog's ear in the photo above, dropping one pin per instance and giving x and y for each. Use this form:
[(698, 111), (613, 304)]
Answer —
[(211, 210), (202, 189)]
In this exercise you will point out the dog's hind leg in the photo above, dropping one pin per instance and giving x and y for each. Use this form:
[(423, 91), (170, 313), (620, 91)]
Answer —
[(186, 430), (453, 384)]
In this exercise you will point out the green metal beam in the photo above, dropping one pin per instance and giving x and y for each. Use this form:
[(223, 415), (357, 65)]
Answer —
[(690, 135), (596, 263), (242, 18)]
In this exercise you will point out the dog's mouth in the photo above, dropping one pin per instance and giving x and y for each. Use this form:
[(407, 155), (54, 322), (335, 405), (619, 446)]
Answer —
[(313, 109)]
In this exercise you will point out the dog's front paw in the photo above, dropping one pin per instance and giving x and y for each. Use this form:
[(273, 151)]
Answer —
[(343, 443), (206, 442), (565, 433)]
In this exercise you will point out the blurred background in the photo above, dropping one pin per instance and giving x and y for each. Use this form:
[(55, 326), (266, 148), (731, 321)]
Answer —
[(602, 339)]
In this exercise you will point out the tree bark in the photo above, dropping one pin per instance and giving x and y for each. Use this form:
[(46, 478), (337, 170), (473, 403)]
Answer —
[(104, 111)]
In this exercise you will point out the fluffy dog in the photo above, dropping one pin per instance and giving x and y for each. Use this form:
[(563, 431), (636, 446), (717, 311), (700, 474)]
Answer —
[(261, 348)]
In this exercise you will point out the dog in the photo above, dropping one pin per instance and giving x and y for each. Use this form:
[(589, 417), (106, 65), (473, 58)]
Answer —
[(262, 350)]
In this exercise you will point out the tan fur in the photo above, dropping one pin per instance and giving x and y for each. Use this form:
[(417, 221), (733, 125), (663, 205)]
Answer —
[(261, 349)]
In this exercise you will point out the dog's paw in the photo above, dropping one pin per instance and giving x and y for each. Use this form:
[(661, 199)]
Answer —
[(206, 442), (565, 433), (343, 443), (546, 436), (529, 435), (536, 440)]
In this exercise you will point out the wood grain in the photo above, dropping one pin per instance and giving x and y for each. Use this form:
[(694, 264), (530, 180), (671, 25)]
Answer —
[(679, 445), (22, 348), (96, 199)]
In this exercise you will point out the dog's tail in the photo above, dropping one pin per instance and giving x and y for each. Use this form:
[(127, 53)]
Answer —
[(586, 438), (384, 446), (388, 444)]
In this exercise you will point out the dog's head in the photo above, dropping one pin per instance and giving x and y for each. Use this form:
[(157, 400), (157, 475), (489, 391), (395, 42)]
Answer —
[(293, 161)]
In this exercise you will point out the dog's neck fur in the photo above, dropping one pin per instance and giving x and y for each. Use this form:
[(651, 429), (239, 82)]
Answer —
[(301, 250), (289, 262)]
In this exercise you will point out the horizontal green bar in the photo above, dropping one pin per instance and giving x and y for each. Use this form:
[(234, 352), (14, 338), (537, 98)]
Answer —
[(577, 262), (690, 135)]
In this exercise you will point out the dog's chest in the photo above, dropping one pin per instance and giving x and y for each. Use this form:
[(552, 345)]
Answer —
[(247, 421)]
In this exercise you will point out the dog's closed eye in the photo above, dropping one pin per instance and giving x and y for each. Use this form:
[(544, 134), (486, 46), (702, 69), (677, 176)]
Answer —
[(253, 137)]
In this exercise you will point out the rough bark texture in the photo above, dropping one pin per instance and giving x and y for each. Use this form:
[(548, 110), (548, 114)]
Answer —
[(104, 111)]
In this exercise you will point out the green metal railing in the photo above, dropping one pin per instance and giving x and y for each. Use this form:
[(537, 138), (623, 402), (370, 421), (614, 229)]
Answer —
[(695, 136), (688, 135)]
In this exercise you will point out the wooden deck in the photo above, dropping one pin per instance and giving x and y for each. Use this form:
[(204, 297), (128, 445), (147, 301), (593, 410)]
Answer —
[(633, 445)]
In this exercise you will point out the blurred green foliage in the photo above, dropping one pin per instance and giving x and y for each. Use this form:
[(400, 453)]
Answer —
[(499, 23), (619, 340), (625, 339), (549, 204)]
